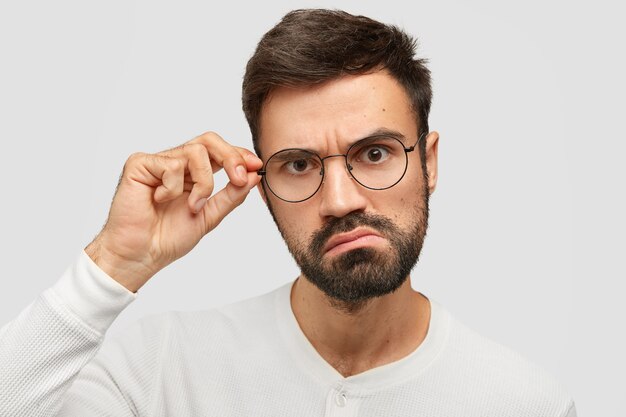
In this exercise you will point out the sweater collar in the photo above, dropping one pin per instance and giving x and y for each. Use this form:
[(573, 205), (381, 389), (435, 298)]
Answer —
[(313, 363)]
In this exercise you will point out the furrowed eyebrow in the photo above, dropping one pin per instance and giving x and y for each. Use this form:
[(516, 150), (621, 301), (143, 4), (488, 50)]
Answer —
[(288, 154), (381, 132)]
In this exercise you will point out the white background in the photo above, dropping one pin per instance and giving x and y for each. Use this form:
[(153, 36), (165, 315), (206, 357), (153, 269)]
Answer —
[(526, 241)]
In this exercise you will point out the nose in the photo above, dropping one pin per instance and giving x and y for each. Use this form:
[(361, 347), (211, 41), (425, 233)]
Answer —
[(340, 194)]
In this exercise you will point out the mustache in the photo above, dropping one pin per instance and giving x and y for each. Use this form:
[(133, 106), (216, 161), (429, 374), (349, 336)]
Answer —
[(378, 222)]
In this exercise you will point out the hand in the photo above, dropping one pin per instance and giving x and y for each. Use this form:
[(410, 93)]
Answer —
[(164, 205)]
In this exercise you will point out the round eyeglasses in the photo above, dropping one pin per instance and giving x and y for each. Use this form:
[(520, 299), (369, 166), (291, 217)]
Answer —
[(377, 162)]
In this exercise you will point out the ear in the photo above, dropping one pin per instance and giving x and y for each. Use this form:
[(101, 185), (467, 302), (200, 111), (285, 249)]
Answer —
[(432, 149), (261, 190)]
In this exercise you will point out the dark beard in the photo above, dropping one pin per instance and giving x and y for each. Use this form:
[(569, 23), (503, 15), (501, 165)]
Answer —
[(353, 278)]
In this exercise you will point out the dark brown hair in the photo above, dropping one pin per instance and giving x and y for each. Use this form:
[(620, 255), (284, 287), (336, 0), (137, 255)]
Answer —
[(312, 46)]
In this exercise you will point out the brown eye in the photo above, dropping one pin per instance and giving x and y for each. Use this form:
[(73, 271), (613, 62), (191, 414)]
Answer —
[(299, 165), (374, 154)]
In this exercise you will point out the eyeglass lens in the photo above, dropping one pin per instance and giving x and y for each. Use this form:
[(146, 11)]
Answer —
[(376, 163)]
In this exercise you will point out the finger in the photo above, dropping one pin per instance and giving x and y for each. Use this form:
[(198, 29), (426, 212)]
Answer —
[(224, 155), (226, 200), (172, 181), (199, 172), (253, 162), (162, 172)]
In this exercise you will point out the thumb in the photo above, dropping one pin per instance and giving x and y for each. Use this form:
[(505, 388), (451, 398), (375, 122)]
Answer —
[(226, 200)]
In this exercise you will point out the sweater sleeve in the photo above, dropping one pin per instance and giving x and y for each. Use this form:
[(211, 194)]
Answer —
[(46, 346), (572, 411)]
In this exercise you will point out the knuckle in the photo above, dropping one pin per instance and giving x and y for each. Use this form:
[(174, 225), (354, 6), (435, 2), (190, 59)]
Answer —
[(206, 138), (135, 157), (132, 161), (211, 135), (175, 164), (196, 149)]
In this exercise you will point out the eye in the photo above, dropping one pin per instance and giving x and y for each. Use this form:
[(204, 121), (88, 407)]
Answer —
[(373, 154), (298, 163), (290, 163), (298, 166)]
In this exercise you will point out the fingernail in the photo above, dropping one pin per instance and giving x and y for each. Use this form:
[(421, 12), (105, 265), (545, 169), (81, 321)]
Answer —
[(242, 173), (200, 205)]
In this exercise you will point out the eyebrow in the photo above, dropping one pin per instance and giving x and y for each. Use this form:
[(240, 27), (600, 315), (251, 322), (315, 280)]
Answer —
[(381, 132), (288, 154)]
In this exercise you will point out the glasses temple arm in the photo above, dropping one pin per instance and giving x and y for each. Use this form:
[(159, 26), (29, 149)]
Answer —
[(412, 148)]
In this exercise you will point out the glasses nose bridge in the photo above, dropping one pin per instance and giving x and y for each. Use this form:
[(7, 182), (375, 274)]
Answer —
[(345, 156)]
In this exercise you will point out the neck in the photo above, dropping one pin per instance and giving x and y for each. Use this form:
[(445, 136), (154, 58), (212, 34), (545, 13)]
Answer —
[(352, 340)]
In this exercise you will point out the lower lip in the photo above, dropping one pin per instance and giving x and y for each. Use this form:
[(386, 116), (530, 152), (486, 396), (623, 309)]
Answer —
[(362, 241)]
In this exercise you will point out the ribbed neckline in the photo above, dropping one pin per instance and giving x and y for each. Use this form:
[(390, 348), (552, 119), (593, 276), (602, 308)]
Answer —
[(371, 380)]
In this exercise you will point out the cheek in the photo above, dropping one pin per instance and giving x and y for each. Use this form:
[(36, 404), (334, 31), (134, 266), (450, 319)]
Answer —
[(296, 221), (403, 201)]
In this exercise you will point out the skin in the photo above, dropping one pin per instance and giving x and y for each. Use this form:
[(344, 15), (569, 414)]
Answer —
[(327, 119), (165, 203)]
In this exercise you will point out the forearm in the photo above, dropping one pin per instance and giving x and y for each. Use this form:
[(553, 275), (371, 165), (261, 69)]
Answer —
[(47, 345)]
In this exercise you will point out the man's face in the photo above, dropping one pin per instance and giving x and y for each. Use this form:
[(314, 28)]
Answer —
[(353, 243)]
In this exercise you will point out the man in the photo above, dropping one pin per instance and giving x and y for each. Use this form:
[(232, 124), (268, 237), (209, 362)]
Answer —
[(338, 109)]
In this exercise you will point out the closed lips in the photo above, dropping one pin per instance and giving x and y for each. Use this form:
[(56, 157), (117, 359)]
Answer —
[(349, 237)]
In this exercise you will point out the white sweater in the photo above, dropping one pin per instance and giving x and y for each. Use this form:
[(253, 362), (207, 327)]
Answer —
[(246, 359)]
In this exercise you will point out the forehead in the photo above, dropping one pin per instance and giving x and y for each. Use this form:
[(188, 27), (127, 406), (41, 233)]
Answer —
[(329, 117)]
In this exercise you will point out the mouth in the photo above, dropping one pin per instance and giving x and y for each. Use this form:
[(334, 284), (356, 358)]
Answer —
[(357, 238)]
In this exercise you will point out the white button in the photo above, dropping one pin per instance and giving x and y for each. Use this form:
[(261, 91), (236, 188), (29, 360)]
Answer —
[(340, 399)]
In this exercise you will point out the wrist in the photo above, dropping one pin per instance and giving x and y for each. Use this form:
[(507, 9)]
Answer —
[(131, 274)]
